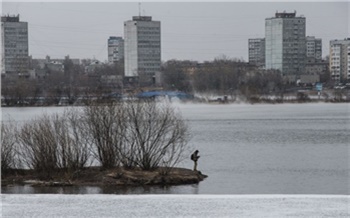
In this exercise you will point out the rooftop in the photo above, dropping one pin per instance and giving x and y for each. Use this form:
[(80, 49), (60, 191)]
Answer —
[(142, 18), (9, 18), (285, 15)]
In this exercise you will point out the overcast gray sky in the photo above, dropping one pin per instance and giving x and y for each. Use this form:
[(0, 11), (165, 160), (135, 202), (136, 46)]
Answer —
[(190, 31)]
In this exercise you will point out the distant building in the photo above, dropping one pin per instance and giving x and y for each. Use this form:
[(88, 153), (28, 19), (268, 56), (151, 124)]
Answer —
[(92, 66), (285, 43), (317, 68), (257, 51), (339, 60), (142, 44), (115, 49), (313, 49), (14, 47), (48, 65)]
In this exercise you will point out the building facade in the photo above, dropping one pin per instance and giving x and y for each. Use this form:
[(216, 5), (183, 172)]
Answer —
[(115, 49), (285, 43), (257, 52), (14, 47), (339, 60), (313, 49), (142, 47)]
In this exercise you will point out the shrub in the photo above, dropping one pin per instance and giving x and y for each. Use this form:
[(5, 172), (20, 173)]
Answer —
[(9, 159), (54, 142)]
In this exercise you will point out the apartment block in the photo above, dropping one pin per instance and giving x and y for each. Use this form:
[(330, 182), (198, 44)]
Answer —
[(285, 43), (313, 49), (142, 47), (256, 54), (115, 49), (14, 47), (339, 60)]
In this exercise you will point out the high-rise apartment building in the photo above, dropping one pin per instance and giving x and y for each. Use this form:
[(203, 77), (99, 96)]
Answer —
[(257, 51), (339, 60), (285, 45), (313, 49), (142, 44), (115, 49), (14, 46)]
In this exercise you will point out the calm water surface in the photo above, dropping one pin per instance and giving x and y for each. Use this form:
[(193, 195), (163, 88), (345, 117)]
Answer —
[(249, 149)]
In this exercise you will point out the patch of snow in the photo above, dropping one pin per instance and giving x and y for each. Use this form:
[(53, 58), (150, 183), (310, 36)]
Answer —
[(175, 205)]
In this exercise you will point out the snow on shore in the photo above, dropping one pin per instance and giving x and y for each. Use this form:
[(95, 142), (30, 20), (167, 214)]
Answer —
[(48, 205)]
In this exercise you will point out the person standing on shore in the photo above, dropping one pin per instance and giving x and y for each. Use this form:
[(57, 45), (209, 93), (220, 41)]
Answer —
[(195, 158)]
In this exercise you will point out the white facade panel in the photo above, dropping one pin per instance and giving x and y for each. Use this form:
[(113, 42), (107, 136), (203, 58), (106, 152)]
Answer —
[(130, 48)]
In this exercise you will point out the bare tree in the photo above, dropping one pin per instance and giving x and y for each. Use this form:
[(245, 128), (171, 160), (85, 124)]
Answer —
[(57, 142), (38, 146), (9, 159), (158, 134), (176, 75), (74, 146), (141, 134), (136, 134), (104, 123)]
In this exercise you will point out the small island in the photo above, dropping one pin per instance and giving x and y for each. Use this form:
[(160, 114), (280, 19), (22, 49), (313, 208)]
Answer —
[(96, 176), (118, 143)]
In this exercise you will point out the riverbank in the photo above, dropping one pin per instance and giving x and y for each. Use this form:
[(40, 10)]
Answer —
[(95, 176)]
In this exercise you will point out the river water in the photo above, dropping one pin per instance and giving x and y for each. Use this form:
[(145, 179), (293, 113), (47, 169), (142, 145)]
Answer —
[(248, 149)]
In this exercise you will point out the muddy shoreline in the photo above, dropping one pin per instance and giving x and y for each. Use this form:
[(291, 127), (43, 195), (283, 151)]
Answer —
[(95, 176)]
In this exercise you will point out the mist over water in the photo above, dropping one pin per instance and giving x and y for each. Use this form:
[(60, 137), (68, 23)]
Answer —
[(249, 149)]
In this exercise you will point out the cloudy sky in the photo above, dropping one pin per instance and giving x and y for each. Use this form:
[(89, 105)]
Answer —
[(190, 30)]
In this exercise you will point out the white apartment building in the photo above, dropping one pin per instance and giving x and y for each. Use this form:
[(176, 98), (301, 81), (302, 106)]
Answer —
[(142, 47), (339, 60), (285, 45), (115, 49), (14, 46)]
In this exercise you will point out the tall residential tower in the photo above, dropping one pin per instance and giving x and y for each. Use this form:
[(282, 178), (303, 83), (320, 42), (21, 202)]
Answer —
[(142, 44), (285, 43), (339, 60), (14, 46)]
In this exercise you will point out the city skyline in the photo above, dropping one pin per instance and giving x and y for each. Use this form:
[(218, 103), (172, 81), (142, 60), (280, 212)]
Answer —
[(190, 31)]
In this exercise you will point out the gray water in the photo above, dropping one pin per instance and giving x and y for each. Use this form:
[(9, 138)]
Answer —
[(249, 149)]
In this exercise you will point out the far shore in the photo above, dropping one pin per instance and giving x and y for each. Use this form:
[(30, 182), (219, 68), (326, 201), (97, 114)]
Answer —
[(214, 101)]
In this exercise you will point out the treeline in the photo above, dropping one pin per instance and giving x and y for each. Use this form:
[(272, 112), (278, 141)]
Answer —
[(223, 77), (49, 86), (141, 134)]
